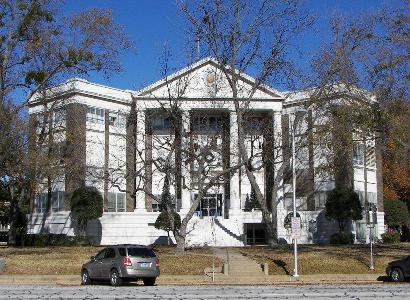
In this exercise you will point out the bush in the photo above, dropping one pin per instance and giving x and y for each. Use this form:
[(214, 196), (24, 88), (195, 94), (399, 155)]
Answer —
[(43, 240), (342, 238), (395, 213), (164, 223), (343, 205), (391, 238), (86, 204)]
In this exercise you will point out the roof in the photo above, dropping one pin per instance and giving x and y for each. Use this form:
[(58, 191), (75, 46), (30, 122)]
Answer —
[(196, 66)]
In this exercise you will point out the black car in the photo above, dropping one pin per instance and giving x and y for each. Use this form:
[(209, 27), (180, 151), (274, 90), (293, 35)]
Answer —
[(398, 270), (122, 263)]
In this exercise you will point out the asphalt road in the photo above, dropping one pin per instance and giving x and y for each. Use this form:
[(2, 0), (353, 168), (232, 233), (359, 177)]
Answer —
[(373, 291)]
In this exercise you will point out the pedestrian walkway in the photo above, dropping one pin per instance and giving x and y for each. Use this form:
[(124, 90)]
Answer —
[(238, 264)]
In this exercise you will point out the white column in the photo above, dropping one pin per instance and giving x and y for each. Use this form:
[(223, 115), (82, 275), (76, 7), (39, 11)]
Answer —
[(140, 195), (185, 169), (278, 168), (278, 159), (235, 195)]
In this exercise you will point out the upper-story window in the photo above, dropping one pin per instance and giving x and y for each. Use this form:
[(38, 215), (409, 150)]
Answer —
[(255, 125), (117, 120), (207, 123), (59, 117), (96, 115), (161, 123), (57, 201), (358, 154)]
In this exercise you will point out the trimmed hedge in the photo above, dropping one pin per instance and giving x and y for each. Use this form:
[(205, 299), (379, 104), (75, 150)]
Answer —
[(391, 238), (342, 238), (43, 240)]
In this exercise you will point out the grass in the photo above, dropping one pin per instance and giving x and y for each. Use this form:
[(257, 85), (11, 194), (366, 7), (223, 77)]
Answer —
[(353, 259), (313, 259), (68, 260)]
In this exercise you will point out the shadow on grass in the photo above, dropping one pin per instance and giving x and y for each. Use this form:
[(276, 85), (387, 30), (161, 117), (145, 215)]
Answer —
[(281, 264)]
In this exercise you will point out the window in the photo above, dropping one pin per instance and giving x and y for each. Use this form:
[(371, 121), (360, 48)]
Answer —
[(57, 201), (156, 204), (96, 115), (301, 202), (117, 120), (371, 197), (160, 123), (116, 202), (41, 202), (59, 117), (358, 154), (101, 254), (110, 253), (140, 252), (207, 123), (320, 199), (122, 252), (255, 125), (210, 205)]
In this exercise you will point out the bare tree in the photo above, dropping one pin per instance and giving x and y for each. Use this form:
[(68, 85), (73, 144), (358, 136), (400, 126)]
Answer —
[(186, 154), (39, 47), (250, 37)]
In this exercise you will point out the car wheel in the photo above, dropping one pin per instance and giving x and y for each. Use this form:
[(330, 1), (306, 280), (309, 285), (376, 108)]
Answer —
[(396, 275), (115, 278), (149, 281), (85, 278)]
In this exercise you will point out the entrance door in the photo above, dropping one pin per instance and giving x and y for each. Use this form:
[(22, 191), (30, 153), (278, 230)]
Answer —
[(255, 234), (210, 206)]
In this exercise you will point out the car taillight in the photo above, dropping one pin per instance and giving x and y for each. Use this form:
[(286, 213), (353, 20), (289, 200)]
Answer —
[(126, 261), (157, 263)]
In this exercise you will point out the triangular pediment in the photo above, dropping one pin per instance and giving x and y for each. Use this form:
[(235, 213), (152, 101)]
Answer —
[(205, 79)]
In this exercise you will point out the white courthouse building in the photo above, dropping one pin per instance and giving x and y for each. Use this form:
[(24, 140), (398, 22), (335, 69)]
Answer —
[(92, 121)]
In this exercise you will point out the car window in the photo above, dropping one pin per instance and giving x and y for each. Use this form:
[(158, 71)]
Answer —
[(100, 254), (110, 253), (122, 252), (141, 252)]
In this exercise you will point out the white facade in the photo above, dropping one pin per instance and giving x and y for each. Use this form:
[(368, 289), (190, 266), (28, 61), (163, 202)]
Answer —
[(200, 89)]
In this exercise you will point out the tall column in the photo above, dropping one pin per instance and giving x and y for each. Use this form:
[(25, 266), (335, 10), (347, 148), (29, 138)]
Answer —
[(131, 147), (278, 162), (140, 195), (75, 166), (185, 168), (235, 194)]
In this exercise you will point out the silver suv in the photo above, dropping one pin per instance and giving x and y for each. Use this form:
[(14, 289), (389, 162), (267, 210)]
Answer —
[(122, 263)]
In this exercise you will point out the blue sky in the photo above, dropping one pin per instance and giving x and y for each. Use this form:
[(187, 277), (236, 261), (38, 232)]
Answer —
[(153, 23)]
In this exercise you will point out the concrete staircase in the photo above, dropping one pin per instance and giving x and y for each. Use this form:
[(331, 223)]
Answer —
[(238, 264)]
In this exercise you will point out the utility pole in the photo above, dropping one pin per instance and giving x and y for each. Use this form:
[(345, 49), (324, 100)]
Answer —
[(295, 219), (295, 243)]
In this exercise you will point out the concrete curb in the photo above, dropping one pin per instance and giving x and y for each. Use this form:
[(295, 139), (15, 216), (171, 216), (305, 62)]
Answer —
[(206, 280)]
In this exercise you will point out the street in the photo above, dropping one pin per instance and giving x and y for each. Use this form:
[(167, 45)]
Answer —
[(372, 291)]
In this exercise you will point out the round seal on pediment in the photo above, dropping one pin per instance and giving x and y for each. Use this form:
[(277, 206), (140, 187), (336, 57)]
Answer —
[(210, 78)]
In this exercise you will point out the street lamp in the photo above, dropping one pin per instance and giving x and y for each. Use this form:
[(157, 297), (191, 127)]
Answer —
[(295, 219)]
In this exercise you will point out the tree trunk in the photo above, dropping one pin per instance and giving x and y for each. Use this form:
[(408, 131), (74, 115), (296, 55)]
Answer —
[(180, 250), (12, 235), (341, 226), (270, 231)]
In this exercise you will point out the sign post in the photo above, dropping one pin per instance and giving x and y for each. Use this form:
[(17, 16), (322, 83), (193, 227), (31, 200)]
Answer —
[(296, 228)]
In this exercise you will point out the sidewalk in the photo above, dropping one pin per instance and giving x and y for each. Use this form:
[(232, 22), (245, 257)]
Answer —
[(205, 280)]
